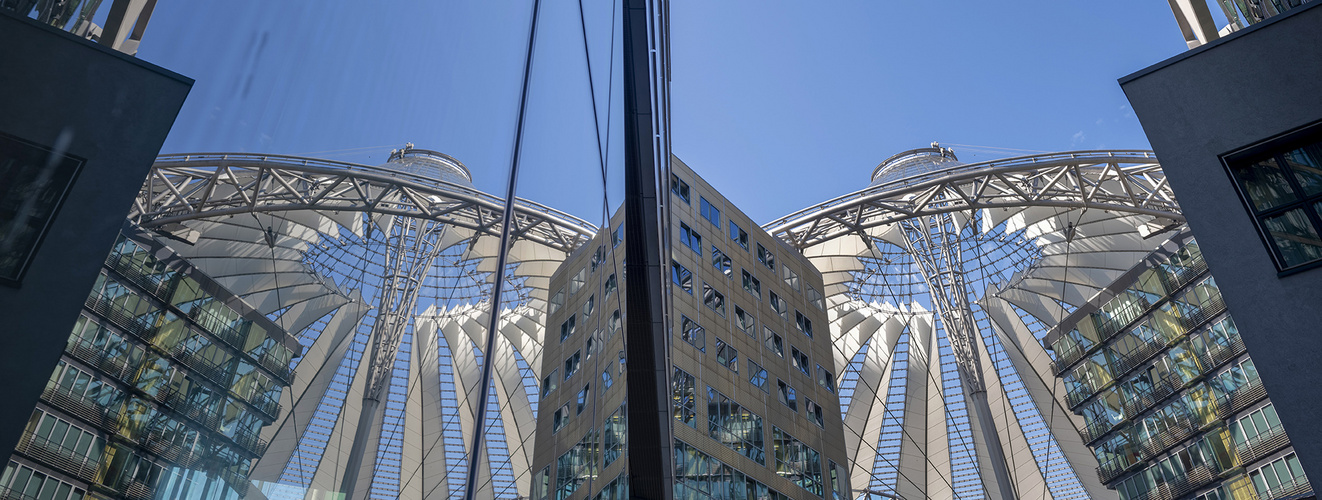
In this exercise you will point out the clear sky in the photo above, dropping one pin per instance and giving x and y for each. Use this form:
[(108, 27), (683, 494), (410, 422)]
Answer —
[(778, 104)]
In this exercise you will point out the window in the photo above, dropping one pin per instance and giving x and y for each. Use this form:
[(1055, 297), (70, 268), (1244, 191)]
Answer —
[(800, 361), (549, 383), (613, 325), (684, 397), (622, 360), (727, 355), (692, 333), (1259, 425), (774, 342), (797, 462), (593, 345), (1278, 476), (542, 484), (752, 285), (711, 213), (610, 286), (791, 278), (786, 395), (560, 419), (582, 400), (804, 324), (567, 328), (815, 299), (617, 236), (577, 282), (757, 375), (680, 188), (766, 258), (576, 467), (778, 304), (557, 301), (744, 320), (1282, 190), (738, 235), (734, 426), (814, 412), (713, 299), (589, 306), (572, 363), (825, 379), (682, 277), (606, 380), (690, 238), (614, 433), (597, 257), (721, 262)]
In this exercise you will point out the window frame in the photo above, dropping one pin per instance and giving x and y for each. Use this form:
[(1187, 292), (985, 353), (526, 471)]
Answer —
[(1274, 148)]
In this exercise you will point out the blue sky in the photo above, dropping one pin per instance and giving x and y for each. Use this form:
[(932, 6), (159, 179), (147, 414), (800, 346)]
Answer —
[(778, 104)]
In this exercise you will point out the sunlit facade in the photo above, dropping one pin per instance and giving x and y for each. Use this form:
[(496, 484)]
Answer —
[(1173, 403), (752, 376), (163, 390)]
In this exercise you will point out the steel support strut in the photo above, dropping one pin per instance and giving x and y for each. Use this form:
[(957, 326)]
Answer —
[(935, 245)]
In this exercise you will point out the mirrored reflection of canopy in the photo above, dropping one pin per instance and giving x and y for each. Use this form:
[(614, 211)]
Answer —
[(1037, 236), (309, 243)]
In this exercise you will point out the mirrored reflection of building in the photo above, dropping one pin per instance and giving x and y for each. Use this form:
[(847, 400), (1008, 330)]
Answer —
[(163, 390), (752, 375), (1173, 403), (118, 24), (1198, 26)]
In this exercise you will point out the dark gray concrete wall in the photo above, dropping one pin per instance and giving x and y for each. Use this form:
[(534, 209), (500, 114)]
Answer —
[(117, 111), (1211, 101)]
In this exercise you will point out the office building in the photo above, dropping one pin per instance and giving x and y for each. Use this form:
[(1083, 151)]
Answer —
[(1198, 26), (1173, 404), (125, 21), (753, 376), (164, 388), (1236, 125)]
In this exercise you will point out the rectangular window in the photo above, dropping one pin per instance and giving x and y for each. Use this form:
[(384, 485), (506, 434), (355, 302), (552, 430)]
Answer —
[(549, 383), (589, 306), (684, 397), (721, 262), (617, 236), (800, 361), (803, 323), (797, 462), (680, 188), (738, 235), (572, 363), (567, 328), (1281, 187), (786, 395), (690, 238), (611, 285), (751, 284), (734, 426), (815, 298), (560, 419), (557, 301), (577, 282), (779, 305), (614, 434), (791, 278), (713, 299), (727, 355), (825, 379), (606, 380), (597, 257), (757, 375), (613, 325), (744, 320), (682, 277), (711, 213), (542, 485), (814, 412), (773, 341), (766, 258), (692, 333)]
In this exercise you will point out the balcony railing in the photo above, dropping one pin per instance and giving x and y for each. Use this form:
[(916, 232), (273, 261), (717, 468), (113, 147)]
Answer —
[(53, 454), (1265, 443)]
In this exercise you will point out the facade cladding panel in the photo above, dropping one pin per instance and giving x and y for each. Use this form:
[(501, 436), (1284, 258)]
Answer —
[(1209, 113), (163, 390), (1174, 405), (734, 428)]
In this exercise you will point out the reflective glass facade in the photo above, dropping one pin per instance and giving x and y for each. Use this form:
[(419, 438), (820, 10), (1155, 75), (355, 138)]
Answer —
[(1173, 404), (164, 389), (738, 296)]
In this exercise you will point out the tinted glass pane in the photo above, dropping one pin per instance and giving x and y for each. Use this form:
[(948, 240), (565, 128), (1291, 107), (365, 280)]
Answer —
[(1265, 184), (1294, 236), (1306, 162)]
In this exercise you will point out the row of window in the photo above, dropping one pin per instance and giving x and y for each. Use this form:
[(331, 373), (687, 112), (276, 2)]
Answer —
[(726, 355)]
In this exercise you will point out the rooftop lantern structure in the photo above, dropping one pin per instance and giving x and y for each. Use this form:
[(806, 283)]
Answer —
[(940, 277), (385, 276)]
